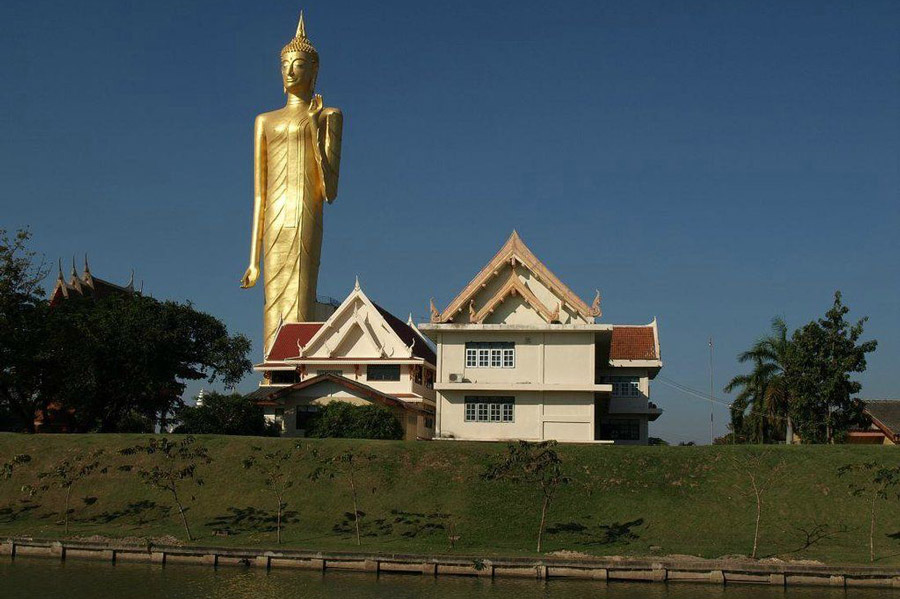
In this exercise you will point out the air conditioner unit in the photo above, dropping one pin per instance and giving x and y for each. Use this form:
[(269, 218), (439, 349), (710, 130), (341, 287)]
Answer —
[(454, 377)]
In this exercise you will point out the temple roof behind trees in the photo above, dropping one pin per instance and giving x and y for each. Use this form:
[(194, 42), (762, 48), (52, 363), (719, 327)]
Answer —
[(885, 414), (86, 285)]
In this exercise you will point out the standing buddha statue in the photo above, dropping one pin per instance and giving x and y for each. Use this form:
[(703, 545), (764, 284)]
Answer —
[(296, 159)]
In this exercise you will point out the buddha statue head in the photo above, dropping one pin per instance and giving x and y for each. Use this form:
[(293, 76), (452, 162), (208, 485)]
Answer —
[(299, 64)]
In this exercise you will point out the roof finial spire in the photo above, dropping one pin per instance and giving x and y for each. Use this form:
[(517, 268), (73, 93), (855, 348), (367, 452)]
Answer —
[(74, 271), (130, 285), (60, 270), (87, 269), (356, 285)]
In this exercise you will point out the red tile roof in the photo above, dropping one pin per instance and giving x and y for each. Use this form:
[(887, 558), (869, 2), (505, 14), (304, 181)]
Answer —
[(633, 343), (290, 335), (271, 396)]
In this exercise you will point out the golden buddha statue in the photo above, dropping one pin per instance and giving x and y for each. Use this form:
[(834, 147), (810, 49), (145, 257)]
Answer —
[(296, 159)]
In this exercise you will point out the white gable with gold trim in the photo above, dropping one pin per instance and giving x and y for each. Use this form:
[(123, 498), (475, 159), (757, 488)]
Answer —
[(515, 288), (359, 330)]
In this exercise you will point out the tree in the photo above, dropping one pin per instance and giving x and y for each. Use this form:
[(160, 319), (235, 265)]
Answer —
[(345, 465), (9, 466), (876, 481), (535, 464), (340, 419), (22, 331), (275, 467), (764, 390), (126, 359), (69, 472), (221, 414), (172, 465), (822, 356), (762, 476)]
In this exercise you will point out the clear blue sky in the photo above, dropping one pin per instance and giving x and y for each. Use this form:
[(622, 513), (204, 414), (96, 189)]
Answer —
[(712, 164)]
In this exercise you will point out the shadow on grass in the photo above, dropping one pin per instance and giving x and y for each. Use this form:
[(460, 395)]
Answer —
[(811, 535), (399, 523), (11, 513), (140, 512), (602, 534), (250, 519)]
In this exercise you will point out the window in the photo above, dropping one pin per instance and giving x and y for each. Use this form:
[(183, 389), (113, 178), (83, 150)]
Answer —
[(490, 354), (429, 423), (481, 408), (381, 372), (625, 386), (620, 429), (284, 377)]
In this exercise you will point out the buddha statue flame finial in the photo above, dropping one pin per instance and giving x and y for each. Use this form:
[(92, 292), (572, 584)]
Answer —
[(300, 43)]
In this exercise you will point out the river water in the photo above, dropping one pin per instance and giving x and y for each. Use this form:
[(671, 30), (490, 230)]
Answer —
[(36, 578)]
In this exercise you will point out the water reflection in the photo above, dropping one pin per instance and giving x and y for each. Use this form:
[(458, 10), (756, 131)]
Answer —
[(50, 579)]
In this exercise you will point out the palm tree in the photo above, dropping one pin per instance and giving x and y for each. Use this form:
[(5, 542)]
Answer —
[(764, 390)]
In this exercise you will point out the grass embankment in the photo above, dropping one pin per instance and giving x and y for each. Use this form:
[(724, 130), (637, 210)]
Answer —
[(634, 501)]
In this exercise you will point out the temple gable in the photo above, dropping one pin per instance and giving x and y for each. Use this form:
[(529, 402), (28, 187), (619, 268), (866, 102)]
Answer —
[(516, 288), (357, 329)]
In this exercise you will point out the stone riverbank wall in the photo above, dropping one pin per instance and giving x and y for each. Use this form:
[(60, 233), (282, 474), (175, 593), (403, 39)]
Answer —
[(719, 572)]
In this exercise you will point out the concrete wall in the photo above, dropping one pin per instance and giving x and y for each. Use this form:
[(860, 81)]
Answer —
[(541, 357), (537, 416)]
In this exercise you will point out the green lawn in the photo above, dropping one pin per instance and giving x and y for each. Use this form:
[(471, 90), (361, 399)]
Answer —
[(622, 500)]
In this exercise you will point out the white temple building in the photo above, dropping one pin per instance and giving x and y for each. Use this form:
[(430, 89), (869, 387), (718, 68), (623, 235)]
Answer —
[(361, 354), (521, 356)]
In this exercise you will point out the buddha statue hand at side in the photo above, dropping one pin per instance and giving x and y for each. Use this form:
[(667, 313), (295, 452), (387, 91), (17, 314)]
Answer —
[(250, 277)]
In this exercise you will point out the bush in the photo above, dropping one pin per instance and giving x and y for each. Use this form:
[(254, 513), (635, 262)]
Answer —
[(224, 415), (345, 420)]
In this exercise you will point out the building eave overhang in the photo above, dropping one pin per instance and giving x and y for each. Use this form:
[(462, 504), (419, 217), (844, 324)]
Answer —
[(366, 391), (885, 429), (536, 328), (636, 363), (523, 388), (292, 364)]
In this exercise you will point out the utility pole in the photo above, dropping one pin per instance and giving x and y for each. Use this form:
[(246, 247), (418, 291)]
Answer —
[(712, 436)]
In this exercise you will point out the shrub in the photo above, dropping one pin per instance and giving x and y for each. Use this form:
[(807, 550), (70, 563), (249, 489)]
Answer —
[(345, 420), (223, 415)]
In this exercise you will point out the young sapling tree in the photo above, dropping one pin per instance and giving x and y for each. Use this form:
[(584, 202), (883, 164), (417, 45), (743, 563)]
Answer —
[(346, 465), (9, 466), (534, 464), (68, 473), (762, 476), (173, 464), (276, 470), (876, 481)]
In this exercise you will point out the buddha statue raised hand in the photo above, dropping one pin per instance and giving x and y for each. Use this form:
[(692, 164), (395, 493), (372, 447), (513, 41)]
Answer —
[(296, 156)]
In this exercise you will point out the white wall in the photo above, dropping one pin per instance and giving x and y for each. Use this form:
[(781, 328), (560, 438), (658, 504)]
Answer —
[(541, 357), (537, 416)]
